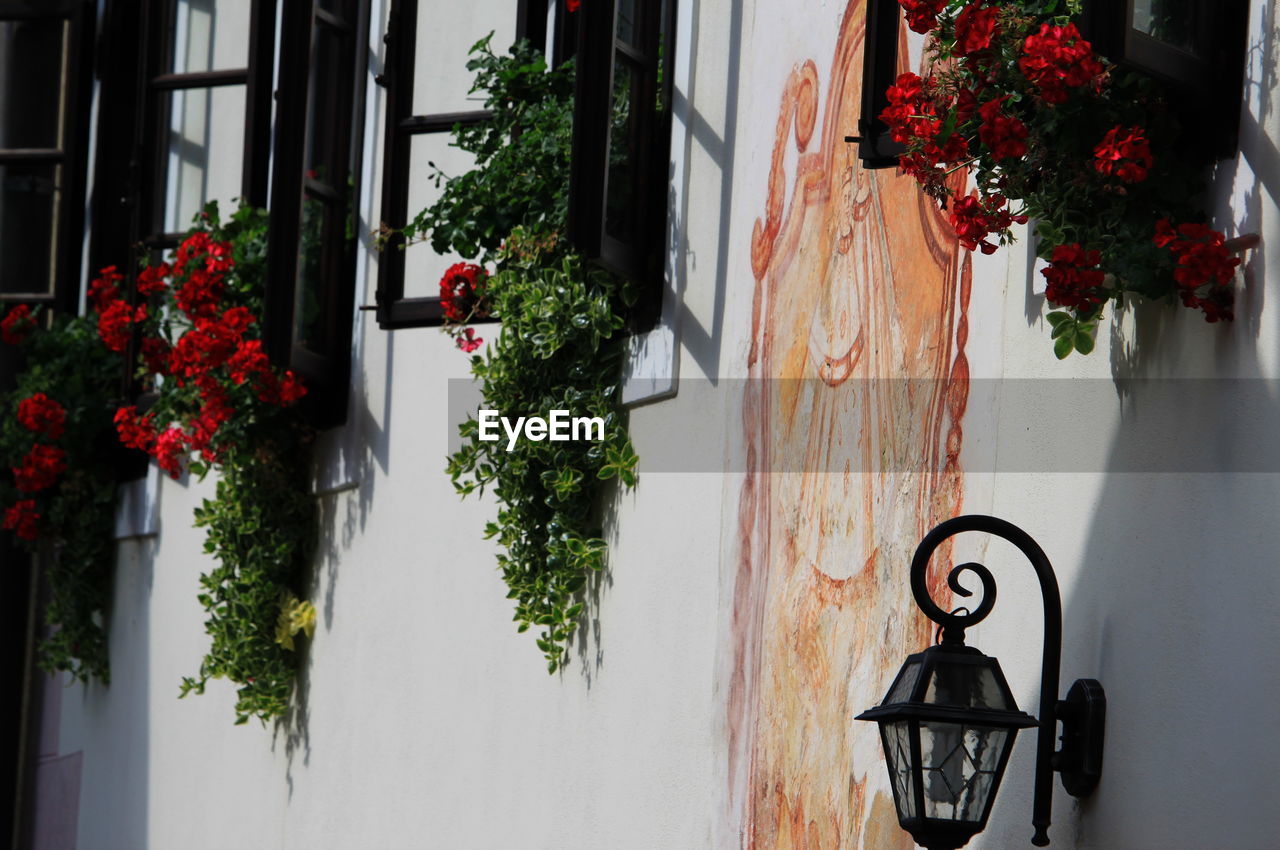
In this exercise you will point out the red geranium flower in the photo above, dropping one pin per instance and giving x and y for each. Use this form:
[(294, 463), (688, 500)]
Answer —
[(135, 432), (1073, 277), (21, 518), (115, 324), (975, 27), (17, 323), (461, 292), (469, 342), (922, 15), (1005, 135), (152, 278), (104, 288), (43, 415), (975, 219), (1124, 153), (169, 446), (1057, 58), (40, 468)]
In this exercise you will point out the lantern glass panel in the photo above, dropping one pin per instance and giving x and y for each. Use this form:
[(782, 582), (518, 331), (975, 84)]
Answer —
[(960, 764), (966, 685), (896, 737), (904, 685)]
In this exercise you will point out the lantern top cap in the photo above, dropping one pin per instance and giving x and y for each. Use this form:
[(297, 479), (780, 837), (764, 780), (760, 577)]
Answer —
[(951, 683)]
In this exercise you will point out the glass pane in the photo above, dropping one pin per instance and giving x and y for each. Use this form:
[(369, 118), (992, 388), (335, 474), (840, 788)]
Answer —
[(445, 32), (322, 243), (622, 189), (901, 690), (205, 152), (423, 267), (33, 58), (29, 199), (210, 35), (959, 768), (327, 126), (628, 27), (897, 751), (966, 685), (1172, 22)]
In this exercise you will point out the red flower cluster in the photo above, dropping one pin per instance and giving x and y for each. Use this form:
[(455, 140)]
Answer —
[(214, 353), (40, 468), (42, 415), (1124, 153), (462, 292), (922, 15), (912, 116), (1204, 269), (1058, 58), (975, 219), (17, 323), (572, 5), (104, 289), (136, 432), (975, 27), (1005, 135), (1074, 279), (21, 519), (115, 324)]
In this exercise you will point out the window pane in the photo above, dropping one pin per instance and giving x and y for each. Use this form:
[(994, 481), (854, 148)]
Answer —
[(327, 128), (205, 151), (446, 32), (29, 199), (32, 65), (322, 244), (628, 28), (423, 267), (211, 35), (621, 193), (1172, 22)]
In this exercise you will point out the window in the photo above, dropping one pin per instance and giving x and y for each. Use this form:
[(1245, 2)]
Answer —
[(424, 102), (1196, 46), (44, 97), (622, 130), (315, 188), (187, 86)]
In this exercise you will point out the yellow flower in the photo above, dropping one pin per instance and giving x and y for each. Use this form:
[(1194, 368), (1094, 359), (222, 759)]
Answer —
[(296, 615)]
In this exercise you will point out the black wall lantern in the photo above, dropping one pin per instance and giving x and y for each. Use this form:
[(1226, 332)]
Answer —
[(949, 719)]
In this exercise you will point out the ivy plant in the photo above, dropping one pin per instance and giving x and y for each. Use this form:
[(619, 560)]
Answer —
[(559, 346)]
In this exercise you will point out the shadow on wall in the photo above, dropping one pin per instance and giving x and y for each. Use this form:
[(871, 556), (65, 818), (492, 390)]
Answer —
[(1175, 605)]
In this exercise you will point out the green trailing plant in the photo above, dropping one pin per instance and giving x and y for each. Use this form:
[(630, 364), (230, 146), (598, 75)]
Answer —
[(56, 442), (219, 405), (559, 346)]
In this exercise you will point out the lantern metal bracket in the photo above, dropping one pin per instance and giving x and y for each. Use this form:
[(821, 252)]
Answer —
[(1082, 713)]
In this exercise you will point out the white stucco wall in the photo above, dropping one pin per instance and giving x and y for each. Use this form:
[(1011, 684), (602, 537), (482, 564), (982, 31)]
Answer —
[(423, 720)]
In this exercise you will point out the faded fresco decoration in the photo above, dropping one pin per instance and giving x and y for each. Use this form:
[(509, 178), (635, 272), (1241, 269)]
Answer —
[(858, 284)]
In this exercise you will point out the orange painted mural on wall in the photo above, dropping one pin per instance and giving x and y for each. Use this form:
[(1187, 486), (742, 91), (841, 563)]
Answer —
[(853, 429)]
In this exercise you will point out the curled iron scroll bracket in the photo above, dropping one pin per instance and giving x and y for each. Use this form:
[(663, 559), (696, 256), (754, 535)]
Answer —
[(953, 626)]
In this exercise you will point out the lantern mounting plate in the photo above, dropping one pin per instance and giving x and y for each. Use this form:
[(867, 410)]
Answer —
[(1083, 715)]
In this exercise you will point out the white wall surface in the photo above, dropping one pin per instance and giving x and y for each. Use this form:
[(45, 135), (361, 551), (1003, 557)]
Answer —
[(424, 721)]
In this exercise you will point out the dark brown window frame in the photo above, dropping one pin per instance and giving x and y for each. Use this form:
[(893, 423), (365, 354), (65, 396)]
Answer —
[(394, 310), (327, 373), (131, 167), (1207, 90), (70, 152), (641, 260)]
